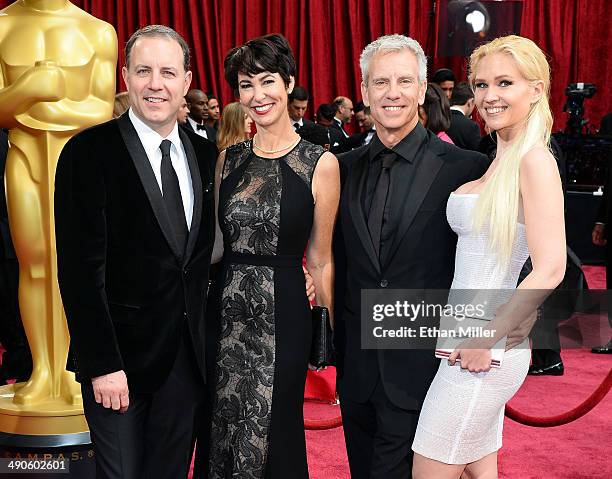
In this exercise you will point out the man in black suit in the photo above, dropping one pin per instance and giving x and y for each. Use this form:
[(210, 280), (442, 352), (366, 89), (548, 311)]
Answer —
[(366, 124), (464, 131), (297, 103), (134, 212), (197, 102), (395, 235)]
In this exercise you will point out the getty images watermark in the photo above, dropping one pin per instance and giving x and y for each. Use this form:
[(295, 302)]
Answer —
[(421, 319)]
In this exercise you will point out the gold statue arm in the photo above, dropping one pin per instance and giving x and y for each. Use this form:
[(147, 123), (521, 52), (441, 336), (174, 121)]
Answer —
[(40, 83), (84, 112)]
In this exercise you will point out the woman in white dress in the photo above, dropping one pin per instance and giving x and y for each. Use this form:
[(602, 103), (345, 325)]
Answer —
[(514, 211)]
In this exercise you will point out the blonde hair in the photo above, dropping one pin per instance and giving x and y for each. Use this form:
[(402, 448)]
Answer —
[(122, 103), (498, 203), (231, 127)]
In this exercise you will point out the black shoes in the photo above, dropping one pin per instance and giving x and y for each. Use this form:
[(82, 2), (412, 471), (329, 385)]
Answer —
[(556, 369), (605, 349)]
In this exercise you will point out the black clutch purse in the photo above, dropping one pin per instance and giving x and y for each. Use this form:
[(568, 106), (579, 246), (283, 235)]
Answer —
[(321, 348)]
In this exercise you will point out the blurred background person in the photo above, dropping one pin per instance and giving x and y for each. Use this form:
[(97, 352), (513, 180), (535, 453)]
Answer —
[(298, 103), (198, 113), (183, 113), (366, 124), (464, 131), (214, 112), (434, 113), (235, 126), (445, 79), (325, 117)]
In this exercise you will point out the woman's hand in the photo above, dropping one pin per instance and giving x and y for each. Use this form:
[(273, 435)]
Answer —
[(474, 360)]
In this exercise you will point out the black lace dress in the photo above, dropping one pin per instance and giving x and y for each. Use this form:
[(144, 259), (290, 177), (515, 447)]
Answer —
[(266, 213)]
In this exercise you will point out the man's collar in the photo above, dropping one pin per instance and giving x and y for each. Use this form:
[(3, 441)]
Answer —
[(406, 148), (193, 123), (457, 108), (149, 136)]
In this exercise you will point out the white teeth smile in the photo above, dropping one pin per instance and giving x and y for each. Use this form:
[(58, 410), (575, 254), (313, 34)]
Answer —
[(154, 100), (264, 108), (497, 109), (392, 108)]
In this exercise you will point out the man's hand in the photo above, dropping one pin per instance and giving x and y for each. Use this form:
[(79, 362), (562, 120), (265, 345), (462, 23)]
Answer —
[(111, 390), (474, 360), (598, 235), (310, 287)]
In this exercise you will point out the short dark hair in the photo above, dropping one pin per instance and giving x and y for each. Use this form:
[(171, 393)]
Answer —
[(157, 31), (437, 109), (359, 106), (299, 93), (442, 75), (270, 53), (326, 111), (461, 94)]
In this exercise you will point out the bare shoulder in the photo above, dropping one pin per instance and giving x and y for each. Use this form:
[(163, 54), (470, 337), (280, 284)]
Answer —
[(537, 164), (327, 164)]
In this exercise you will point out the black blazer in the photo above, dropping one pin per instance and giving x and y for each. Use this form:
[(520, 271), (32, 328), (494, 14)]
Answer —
[(464, 132), (211, 133), (421, 255), (127, 290)]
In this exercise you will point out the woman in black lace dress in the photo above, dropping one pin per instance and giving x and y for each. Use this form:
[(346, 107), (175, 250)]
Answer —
[(278, 194)]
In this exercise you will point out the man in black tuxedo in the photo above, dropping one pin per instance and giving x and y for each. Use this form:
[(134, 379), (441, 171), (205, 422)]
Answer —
[(197, 102), (464, 131), (297, 103), (395, 235), (366, 124), (134, 212)]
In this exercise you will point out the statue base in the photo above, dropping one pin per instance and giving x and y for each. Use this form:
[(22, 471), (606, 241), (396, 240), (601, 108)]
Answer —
[(48, 430)]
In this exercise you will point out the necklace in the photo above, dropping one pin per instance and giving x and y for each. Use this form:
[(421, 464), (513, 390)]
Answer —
[(271, 152)]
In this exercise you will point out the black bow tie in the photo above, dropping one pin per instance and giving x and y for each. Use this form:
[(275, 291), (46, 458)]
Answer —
[(201, 127)]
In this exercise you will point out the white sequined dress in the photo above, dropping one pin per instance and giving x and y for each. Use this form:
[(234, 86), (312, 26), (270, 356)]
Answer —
[(463, 413)]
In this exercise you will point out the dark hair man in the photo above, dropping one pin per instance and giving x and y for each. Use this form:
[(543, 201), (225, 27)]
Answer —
[(197, 101), (214, 111), (464, 132), (445, 79), (365, 122), (298, 102)]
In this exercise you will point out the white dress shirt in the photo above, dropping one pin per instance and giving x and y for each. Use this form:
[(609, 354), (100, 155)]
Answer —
[(300, 123), (151, 140), (194, 125)]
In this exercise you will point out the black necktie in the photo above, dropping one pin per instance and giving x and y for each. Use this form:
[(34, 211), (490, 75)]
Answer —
[(296, 125), (200, 127), (379, 199), (172, 196)]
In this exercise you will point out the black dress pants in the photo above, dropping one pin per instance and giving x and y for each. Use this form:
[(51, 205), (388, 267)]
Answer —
[(154, 438), (378, 437)]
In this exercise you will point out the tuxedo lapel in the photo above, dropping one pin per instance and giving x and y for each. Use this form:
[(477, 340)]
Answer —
[(427, 170), (197, 183), (149, 182), (357, 180)]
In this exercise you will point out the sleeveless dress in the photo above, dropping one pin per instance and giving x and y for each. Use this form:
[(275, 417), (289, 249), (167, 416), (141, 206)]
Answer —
[(266, 213), (463, 413)]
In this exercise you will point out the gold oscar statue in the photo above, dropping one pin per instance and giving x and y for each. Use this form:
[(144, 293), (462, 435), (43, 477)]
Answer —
[(58, 77)]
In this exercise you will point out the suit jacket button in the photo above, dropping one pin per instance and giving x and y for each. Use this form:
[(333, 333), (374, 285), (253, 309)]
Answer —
[(384, 283), (185, 271)]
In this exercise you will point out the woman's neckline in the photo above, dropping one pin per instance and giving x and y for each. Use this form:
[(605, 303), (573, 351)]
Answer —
[(275, 157)]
